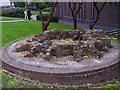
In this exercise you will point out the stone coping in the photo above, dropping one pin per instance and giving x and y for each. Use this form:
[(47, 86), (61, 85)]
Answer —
[(67, 77), (8, 60)]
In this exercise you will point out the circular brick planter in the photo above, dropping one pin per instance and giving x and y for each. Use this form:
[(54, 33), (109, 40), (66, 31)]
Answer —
[(88, 74)]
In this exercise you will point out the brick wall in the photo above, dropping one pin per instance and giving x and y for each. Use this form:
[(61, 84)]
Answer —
[(109, 14)]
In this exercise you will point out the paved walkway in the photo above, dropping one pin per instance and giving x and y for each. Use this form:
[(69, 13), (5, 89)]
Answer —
[(107, 28), (13, 21), (33, 18)]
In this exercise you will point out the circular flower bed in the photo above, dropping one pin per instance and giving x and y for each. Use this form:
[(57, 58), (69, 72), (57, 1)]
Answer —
[(69, 57)]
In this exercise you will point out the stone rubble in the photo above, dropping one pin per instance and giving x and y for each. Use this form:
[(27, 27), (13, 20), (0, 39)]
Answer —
[(85, 44)]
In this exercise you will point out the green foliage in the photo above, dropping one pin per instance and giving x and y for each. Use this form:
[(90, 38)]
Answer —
[(19, 4), (47, 9), (18, 12), (113, 36), (43, 5), (35, 12), (11, 82), (45, 18), (46, 5)]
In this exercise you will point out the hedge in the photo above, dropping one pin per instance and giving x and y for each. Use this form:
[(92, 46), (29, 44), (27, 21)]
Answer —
[(16, 12), (45, 18)]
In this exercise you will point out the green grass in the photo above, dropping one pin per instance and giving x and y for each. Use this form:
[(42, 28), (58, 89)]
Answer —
[(11, 82), (15, 30), (9, 18), (113, 36), (35, 12)]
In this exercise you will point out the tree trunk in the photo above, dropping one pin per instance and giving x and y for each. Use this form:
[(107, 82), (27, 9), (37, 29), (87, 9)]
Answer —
[(26, 5), (92, 25), (75, 10), (98, 14), (75, 23), (44, 26)]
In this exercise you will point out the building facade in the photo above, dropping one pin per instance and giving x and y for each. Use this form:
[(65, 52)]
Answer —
[(110, 14)]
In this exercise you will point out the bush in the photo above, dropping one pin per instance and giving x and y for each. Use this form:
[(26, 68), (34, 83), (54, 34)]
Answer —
[(55, 19), (47, 9), (17, 12), (45, 18), (44, 5)]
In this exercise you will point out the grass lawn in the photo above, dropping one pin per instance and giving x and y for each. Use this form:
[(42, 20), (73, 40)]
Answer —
[(113, 36), (2, 18), (34, 12), (15, 30)]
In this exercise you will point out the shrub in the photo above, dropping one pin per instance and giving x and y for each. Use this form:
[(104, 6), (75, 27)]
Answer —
[(47, 9), (17, 12), (55, 19), (45, 18)]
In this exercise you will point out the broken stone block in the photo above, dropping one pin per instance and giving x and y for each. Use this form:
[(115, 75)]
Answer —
[(107, 42), (30, 55), (53, 50), (74, 32), (80, 37), (90, 43), (101, 32), (94, 34), (98, 54), (25, 47), (63, 35), (58, 37), (75, 37), (38, 35), (29, 40), (54, 33), (47, 56), (100, 45), (85, 37), (42, 39), (59, 52), (36, 49), (77, 53), (48, 42), (66, 34), (39, 39)]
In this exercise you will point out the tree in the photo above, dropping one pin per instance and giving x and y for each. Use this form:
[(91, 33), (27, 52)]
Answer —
[(45, 24), (26, 4), (19, 4), (98, 11), (11, 2), (75, 10)]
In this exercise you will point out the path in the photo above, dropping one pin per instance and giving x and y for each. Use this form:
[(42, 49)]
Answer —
[(33, 18), (13, 21), (84, 24)]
